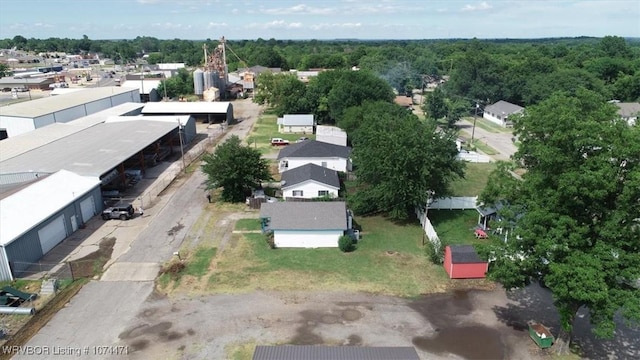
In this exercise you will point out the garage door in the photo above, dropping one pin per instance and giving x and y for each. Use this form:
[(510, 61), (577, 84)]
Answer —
[(87, 208), (52, 234)]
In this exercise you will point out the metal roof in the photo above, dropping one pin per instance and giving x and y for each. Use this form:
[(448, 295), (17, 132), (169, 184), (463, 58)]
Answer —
[(144, 86), (296, 120), (92, 151), (314, 149), (628, 109), (303, 215), (47, 105), (177, 107), (464, 254), (28, 141), (503, 107), (25, 209), (319, 352), (310, 172), (330, 131)]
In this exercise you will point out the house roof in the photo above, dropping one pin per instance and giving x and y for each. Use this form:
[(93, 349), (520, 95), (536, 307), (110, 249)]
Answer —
[(488, 210), (310, 172), (303, 215), (296, 120), (464, 254), (177, 107), (319, 352), (627, 110), (402, 100), (314, 149), (503, 107), (25, 209)]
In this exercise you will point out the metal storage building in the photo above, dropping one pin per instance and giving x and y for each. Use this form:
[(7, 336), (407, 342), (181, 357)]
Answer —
[(30, 115), (38, 217), (211, 112)]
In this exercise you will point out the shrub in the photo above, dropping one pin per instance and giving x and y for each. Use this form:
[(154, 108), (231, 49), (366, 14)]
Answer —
[(345, 243), (434, 253), (270, 240)]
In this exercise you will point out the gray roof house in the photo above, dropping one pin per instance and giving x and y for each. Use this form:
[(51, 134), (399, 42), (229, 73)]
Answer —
[(305, 224), (310, 181), (318, 352), (629, 112), (296, 123), (499, 112), (327, 155)]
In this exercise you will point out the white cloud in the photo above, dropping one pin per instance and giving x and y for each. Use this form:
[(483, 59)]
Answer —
[(216, 25), (481, 6), (333, 26), (300, 9), (170, 26), (276, 24)]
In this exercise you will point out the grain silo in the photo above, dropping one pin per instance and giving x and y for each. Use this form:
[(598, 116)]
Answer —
[(198, 82)]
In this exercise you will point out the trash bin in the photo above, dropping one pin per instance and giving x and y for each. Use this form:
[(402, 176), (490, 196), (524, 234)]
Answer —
[(540, 335)]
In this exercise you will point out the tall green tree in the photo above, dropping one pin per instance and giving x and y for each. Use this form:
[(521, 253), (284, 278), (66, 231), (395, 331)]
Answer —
[(400, 161), (236, 169), (576, 211), (436, 107)]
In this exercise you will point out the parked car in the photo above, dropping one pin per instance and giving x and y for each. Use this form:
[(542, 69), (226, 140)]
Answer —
[(279, 142), (124, 212), (302, 139)]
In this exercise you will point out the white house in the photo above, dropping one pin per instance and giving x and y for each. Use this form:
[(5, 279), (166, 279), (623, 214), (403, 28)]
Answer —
[(629, 112), (302, 224), (331, 135), (499, 112), (330, 156), (310, 181), (296, 124)]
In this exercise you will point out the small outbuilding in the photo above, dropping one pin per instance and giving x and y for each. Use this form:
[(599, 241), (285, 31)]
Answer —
[(462, 262), (297, 124)]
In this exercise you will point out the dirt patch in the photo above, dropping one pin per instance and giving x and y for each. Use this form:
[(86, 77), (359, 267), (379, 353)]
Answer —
[(93, 263)]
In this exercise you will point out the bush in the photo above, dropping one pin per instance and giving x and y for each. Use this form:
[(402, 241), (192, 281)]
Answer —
[(436, 255), (270, 239), (345, 243)]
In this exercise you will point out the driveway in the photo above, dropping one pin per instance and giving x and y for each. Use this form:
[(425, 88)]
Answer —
[(500, 141)]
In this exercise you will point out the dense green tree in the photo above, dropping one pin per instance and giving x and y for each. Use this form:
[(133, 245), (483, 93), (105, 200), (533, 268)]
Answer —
[(179, 85), (399, 161), (355, 116), (457, 109), (575, 213), (4, 70), (236, 169), (283, 92), (435, 106), (353, 88)]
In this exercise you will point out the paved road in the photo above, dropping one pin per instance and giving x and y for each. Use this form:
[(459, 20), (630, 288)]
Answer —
[(98, 314), (501, 142)]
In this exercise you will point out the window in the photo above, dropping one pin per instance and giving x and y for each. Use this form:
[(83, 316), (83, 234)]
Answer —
[(323, 192), (297, 193)]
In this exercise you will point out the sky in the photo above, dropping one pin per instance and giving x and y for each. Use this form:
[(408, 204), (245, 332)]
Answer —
[(318, 19)]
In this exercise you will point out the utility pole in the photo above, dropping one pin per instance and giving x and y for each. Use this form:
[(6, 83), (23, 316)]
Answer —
[(475, 116), (181, 145)]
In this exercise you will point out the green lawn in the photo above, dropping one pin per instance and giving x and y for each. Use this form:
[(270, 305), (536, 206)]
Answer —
[(488, 125), (265, 128), (389, 259), (455, 226), (248, 224), (476, 176), (484, 147)]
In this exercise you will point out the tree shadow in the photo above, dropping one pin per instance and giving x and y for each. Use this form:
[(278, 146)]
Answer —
[(536, 303)]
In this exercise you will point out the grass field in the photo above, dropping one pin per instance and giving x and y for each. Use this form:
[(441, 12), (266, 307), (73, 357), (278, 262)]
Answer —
[(266, 128), (488, 125), (475, 180), (389, 259), (455, 226)]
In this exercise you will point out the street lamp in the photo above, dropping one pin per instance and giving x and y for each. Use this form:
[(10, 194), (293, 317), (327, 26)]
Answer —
[(181, 145)]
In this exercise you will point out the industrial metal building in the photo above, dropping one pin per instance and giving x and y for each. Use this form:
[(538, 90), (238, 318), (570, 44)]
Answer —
[(26, 116), (208, 112), (51, 186), (38, 217)]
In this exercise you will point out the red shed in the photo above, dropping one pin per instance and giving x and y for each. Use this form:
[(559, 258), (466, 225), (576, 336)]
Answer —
[(462, 262)]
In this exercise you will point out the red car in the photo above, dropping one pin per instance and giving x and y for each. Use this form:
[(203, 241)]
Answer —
[(279, 142)]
